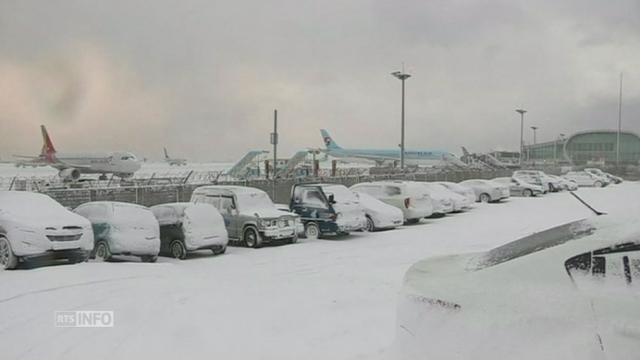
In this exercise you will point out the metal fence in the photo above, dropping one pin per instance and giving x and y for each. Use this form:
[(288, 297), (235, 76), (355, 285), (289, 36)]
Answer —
[(153, 194)]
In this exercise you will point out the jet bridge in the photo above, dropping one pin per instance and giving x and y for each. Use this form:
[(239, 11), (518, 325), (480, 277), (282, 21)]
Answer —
[(290, 167), (241, 168)]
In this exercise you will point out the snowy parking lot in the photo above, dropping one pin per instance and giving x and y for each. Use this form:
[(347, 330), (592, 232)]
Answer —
[(320, 299)]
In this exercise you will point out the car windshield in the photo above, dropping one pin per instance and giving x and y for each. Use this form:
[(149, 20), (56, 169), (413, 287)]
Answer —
[(26, 203), (254, 200), (132, 213), (533, 243), (340, 193)]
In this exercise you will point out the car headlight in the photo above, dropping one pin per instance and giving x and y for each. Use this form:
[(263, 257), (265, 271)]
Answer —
[(264, 223)]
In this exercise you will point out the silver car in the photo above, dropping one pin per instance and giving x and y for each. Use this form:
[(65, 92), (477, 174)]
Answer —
[(519, 187), (249, 214), (487, 190), (412, 198)]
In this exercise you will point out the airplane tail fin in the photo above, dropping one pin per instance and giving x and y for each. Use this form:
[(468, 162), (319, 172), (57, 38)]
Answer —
[(48, 151), (166, 154), (465, 152), (328, 141)]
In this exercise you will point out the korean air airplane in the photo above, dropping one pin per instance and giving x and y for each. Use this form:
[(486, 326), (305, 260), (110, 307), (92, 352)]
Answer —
[(380, 156)]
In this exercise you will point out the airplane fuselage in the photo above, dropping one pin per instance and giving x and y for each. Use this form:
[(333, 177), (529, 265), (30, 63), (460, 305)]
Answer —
[(413, 157), (104, 163)]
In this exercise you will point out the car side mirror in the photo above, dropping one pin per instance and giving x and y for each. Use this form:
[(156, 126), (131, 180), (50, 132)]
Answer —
[(332, 199)]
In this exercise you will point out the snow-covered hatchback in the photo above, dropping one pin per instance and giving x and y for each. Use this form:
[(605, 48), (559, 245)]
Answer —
[(187, 227), (122, 229), (36, 226)]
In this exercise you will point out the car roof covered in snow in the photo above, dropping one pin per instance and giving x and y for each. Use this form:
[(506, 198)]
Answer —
[(226, 188)]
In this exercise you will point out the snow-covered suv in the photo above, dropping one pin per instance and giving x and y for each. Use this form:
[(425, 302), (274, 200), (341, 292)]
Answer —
[(36, 226)]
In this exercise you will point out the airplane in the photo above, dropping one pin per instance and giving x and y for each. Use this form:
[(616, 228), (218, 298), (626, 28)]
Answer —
[(70, 166), (173, 161), (380, 156)]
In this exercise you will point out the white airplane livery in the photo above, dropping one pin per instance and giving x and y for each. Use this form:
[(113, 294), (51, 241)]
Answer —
[(173, 161), (413, 157), (70, 166)]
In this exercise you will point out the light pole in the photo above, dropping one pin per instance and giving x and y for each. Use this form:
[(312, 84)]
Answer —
[(619, 126), (534, 128), (402, 76), (521, 112)]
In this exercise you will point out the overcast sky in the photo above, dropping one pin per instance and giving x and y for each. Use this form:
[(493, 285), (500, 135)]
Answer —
[(203, 77)]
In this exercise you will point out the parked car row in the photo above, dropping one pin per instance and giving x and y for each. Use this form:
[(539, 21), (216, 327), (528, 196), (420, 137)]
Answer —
[(34, 226)]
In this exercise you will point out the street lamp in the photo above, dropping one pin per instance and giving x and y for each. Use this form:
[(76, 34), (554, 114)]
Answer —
[(521, 112), (402, 76)]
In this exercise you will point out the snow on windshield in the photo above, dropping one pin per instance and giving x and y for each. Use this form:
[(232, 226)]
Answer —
[(25, 203), (133, 214), (254, 200), (340, 193)]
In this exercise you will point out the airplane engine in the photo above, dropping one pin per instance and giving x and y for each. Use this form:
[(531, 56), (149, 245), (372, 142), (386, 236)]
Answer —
[(69, 174)]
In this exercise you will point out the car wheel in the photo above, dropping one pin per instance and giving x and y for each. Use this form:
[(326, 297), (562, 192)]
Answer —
[(527, 193), (412, 221), (597, 184), (370, 225), (251, 237), (294, 239), (178, 251), (219, 252), (102, 252), (8, 259), (312, 231), (485, 198)]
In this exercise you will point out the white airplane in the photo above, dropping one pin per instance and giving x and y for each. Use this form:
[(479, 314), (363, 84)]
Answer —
[(380, 156), (70, 166), (173, 161)]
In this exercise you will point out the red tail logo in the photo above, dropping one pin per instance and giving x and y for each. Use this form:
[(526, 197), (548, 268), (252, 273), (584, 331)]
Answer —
[(48, 152)]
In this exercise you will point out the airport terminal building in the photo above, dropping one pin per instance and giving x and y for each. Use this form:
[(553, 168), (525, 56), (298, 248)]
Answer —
[(587, 147)]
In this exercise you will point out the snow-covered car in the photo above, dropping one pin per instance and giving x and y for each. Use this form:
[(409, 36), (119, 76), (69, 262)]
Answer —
[(187, 227), (445, 200), (518, 187), (566, 184), (327, 209), (487, 190), (569, 292), (606, 177), (538, 177), (411, 198), (379, 214), (122, 229), (460, 190), (249, 214), (583, 178), (34, 226)]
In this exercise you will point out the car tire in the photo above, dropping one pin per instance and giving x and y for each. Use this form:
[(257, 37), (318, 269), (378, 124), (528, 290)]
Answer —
[(370, 226), (294, 239), (102, 251), (527, 193), (311, 231), (8, 260), (251, 238), (178, 250), (149, 258), (485, 198), (597, 184), (219, 252), (412, 221)]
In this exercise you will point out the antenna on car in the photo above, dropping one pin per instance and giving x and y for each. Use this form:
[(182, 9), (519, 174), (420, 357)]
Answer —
[(587, 205)]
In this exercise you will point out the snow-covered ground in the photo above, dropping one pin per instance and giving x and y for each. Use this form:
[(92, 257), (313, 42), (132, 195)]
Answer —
[(322, 299)]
